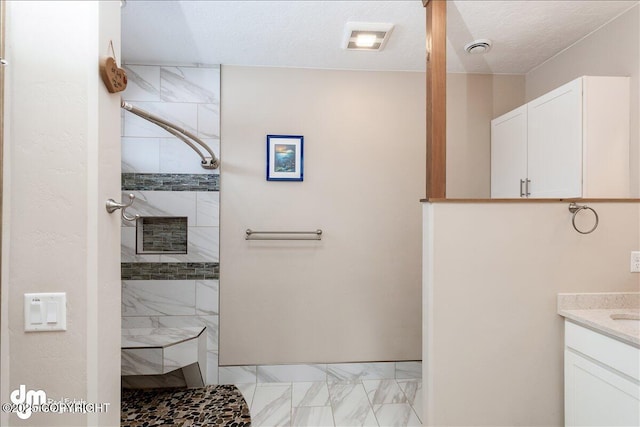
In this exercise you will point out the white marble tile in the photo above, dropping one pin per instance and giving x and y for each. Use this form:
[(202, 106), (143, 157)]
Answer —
[(211, 322), (143, 83), (208, 209), (181, 114), (409, 370), (271, 406), (289, 373), (212, 367), (190, 84), (180, 355), (164, 203), (209, 121), (310, 394), (350, 405), (128, 247), (157, 337), (397, 414), (178, 157), (207, 296), (134, 322), (384, 391), (142, 361), (247, 390), (413, 390), (140, 155), (158, 297), (360, 371), (312, 416), (237, 374), (202, 246)]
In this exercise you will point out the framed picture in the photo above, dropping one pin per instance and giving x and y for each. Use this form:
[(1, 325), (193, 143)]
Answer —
[(284, 157)]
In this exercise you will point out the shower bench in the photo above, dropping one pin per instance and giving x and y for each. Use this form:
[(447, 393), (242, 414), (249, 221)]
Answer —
[(157, 351)]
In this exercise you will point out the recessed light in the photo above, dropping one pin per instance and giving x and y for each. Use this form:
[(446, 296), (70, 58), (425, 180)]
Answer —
[(366, 35), (366, 40)]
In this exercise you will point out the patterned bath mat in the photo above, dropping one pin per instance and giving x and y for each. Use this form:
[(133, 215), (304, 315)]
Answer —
[(221, 405)]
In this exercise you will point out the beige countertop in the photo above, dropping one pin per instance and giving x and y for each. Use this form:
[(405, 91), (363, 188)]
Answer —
[(595, 310)]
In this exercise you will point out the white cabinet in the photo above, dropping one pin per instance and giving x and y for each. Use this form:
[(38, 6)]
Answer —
[(601, 379), (570, 142)]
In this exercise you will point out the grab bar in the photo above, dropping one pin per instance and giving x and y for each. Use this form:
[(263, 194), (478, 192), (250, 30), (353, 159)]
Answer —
[(283, 235)]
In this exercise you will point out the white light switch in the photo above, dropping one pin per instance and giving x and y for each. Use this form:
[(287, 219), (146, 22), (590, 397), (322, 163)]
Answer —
[(45, 312), (35, 311), (52, 312)]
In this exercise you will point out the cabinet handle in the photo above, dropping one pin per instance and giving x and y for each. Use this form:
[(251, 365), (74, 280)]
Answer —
[(528, 189), (522, 188)]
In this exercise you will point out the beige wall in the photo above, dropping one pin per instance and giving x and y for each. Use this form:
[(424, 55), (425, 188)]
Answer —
[(62, 161), (613, 50), (473, 100), (493, 341), (354, 296)]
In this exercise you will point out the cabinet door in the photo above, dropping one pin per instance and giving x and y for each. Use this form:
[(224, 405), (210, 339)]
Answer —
[(508, 153), (596, 395), (554, 149)]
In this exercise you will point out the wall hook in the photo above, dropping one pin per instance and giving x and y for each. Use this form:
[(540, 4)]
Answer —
[(112, 206)]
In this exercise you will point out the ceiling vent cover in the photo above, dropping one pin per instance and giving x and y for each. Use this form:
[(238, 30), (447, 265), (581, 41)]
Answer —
[(478, 46), (366, 36)]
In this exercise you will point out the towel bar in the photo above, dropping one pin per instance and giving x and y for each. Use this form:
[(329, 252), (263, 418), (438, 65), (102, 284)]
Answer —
[(283, 235)]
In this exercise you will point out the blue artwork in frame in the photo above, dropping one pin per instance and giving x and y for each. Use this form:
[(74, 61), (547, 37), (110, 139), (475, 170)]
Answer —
[(285, 157)]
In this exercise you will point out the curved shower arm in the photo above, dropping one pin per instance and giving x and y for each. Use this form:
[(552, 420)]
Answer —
[(176, 131)]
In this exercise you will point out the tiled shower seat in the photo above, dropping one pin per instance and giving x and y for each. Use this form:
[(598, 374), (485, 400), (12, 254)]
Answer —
[(157, 351)]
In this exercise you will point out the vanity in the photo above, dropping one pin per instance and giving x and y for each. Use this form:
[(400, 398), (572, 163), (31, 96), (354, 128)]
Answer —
[(601, 358)]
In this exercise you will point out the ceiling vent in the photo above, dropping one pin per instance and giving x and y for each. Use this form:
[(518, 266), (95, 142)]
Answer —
[(366, 36), (478, 46)]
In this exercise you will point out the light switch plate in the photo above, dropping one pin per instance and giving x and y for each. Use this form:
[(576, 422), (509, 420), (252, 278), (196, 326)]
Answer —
[(45, 312)]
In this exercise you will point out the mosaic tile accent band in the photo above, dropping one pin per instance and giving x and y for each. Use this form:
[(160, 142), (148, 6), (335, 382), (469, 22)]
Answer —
[(170, 182), (170, 270), (162, 235)]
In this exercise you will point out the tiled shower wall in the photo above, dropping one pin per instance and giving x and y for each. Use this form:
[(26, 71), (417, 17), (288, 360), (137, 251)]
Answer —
[(172, 290)]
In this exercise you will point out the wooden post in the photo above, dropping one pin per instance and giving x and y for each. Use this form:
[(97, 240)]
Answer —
[(436, 98)]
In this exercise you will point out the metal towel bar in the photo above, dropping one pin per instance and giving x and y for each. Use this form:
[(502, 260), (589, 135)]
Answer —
[(283, 235)]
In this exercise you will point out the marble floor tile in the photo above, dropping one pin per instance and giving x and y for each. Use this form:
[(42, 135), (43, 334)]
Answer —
[(247, 391), (384, 391), (396, 414), (310, 394), (413, 390), (350, 405), (312, 416), (271, 405)]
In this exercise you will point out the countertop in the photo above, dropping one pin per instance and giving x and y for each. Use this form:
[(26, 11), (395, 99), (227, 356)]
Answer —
[(594, 311)]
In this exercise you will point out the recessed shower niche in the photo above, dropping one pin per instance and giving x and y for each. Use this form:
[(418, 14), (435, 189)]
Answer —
[(161, 235)]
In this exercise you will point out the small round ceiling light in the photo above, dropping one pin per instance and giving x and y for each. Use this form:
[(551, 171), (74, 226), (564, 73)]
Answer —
[(478, 46)]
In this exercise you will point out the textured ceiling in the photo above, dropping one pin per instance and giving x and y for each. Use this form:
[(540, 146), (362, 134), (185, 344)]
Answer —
[(524, 33), (309, 34), (305, 34)]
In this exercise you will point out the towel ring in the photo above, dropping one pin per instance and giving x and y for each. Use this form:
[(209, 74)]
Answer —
[(574, 209)]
